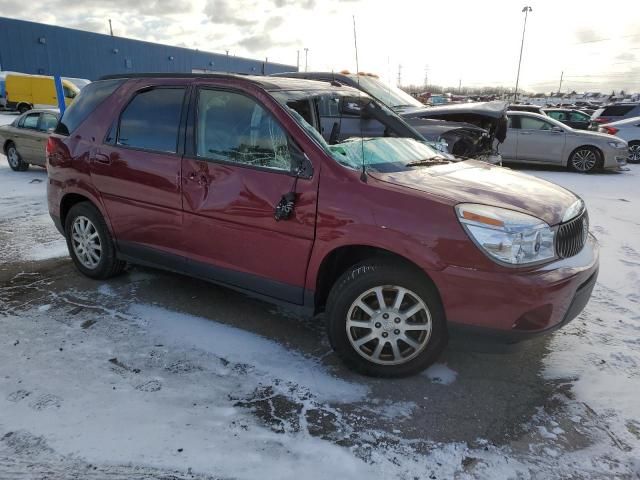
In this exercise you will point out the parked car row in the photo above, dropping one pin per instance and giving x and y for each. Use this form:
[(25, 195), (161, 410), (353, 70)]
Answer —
[(316, 195)]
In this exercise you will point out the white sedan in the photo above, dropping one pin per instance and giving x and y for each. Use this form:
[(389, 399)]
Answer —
[(629, 131)]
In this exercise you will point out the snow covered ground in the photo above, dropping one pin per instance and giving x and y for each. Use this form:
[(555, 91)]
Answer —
[(153, 375)]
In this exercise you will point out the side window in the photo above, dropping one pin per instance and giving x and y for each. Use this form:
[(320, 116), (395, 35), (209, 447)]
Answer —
[(530, 123), (329, 106), (30, 121), (151, 120), (48, 121), (561, 116), (235, 128), (512, 122), (578, 117)]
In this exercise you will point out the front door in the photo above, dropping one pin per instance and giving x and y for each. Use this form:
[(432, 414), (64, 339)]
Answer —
[(539, 142), (24, 137), (240, 168), (137, 172)]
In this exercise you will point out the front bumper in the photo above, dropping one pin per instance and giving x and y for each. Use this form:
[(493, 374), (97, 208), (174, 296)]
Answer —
[(514, 306), (615, 157)]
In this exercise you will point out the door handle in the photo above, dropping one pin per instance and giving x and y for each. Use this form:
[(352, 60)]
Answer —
[(102, 158), (201, 178)]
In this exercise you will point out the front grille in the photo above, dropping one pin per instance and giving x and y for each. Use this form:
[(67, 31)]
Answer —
[(572, 236)]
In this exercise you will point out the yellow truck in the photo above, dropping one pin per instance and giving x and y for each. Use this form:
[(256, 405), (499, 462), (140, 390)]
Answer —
[(25, 92)]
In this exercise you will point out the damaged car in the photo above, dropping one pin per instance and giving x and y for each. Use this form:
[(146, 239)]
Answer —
[(318, 197), (474, 132)]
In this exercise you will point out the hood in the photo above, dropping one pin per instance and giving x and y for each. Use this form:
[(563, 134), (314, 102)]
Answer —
[(593, 135), (478, 182), (495, 109)]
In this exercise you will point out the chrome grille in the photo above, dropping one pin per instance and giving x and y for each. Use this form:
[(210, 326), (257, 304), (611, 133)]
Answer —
[(572, 236)]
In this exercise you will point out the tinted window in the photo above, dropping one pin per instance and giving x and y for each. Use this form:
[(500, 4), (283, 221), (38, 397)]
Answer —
[(152, 119), (48, 121), (530, 123), (617, 110), (578, 117), (89, 98), (30, 120), (235, 128), (562, 116)]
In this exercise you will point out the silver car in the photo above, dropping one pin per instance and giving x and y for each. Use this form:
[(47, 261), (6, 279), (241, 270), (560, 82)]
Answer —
[(534, 138), (24, 140), (629, 131)]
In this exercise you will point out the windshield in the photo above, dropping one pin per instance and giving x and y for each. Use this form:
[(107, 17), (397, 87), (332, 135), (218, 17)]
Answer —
[(383, 154), (389, 95)]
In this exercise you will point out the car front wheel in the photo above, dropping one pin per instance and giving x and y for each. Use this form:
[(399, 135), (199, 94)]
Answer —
[(584, 159), (634, 152), (89, 242), (15, 160), (385, 319)]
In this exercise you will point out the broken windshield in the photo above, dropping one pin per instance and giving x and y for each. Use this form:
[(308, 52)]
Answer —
[(390, 95)]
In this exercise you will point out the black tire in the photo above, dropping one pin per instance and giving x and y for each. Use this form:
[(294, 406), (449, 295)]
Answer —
[(634, 152), (14, 158), (576, 164), (108, 264), (23, 107), (368, 275)]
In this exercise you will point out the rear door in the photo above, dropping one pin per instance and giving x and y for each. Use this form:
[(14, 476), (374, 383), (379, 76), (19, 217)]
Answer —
[(538, 142), (240, 165), (509, 148), (137, 172), (46, 124), (24, 137)]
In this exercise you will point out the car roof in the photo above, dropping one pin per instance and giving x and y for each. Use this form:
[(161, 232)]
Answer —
[(43, 110), (552, 109), (625, 121), (269, 83)]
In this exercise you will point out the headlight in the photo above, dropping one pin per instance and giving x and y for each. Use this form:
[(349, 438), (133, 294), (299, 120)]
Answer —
[(507, 236), (617, 144)]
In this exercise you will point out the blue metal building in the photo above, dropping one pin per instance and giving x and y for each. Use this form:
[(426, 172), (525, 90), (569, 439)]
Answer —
[(37, 48)]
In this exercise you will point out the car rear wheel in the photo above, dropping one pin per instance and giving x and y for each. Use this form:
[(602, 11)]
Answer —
[(90, 243), (584, 159), (15, 159), (634, 152), (385, 319)]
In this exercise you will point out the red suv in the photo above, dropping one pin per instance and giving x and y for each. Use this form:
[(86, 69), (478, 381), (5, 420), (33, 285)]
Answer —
[(315, 195)]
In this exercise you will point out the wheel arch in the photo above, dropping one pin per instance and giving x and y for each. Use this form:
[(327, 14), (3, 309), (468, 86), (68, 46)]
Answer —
[(599, 152), (338, 260)]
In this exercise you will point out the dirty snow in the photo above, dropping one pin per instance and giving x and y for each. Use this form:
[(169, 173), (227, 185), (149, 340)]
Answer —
[(102, 383)]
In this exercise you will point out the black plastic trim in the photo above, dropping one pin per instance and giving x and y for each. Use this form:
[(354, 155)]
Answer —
[(269, 290)]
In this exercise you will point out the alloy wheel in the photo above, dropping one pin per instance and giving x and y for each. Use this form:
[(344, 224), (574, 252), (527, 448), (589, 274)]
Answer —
[(389, 325), (634, 153), (86, 242), (13, 157), (584, 160)]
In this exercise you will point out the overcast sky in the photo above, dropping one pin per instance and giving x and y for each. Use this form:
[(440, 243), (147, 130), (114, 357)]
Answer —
[(595, 42)]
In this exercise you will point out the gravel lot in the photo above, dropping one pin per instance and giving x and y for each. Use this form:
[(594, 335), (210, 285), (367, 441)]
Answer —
[(155, 375)]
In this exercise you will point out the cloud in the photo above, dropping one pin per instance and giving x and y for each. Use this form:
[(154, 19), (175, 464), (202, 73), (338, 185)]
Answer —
[(585, 35), (261, 42), (232, 12), (626, 56)]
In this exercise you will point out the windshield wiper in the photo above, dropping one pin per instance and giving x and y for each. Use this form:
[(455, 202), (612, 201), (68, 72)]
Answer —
[(402, 106), (428, 162)]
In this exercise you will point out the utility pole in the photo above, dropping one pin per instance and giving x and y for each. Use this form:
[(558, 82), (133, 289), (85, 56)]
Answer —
[(526, 11), (426, 77), (459, 86), (306, 59), (110, 28), (560, 87), (399, 75), (298, 61)]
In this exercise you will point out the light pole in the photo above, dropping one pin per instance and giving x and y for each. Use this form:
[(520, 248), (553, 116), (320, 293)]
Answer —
[(306, 58), (526, 11)]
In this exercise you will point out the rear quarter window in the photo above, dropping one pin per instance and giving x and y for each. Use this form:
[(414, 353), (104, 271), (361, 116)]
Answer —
[(89, 98), (617, 110)]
